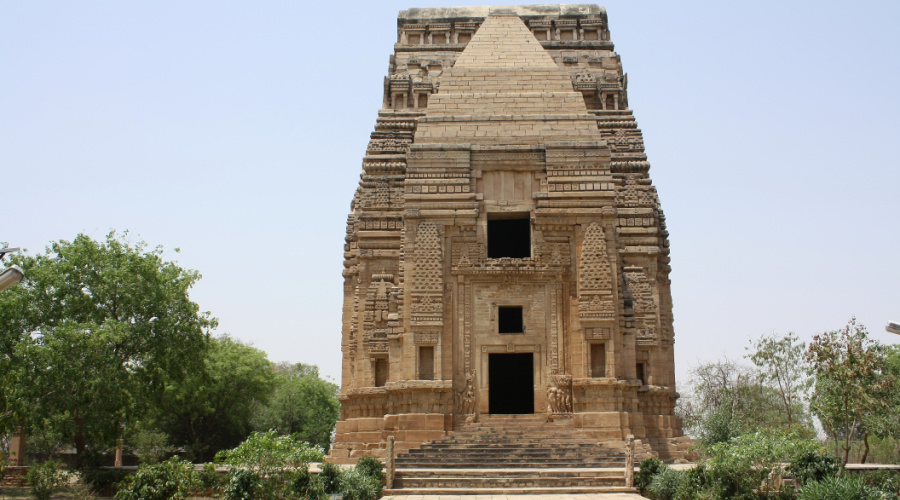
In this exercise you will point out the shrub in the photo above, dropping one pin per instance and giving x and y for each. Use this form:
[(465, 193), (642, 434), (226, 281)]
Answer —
[(78, 489), (269, 451), (308, 486), (150, 445), (45, 478), (243, 484), (172, 479), (210, 479), (667, 484), (885, 480), (276, 460), (331, 477), (814, 466), (750, 463), (370, 466), (354, 485), (840, 488), (650, 467)]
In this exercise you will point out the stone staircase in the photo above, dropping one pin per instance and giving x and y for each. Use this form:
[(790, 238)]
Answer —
[(512, 454)]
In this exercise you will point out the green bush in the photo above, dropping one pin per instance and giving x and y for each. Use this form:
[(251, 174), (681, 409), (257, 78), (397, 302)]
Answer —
[(210, 479), (331, 477), (172, 479), (650, 467), (308, 486), (745, 467), (243, 484), (268, 450), (370, 466), (45, 478), (667, 485), (885, 480), (355, 485), (276, 460), (814, 466), (841, 488)]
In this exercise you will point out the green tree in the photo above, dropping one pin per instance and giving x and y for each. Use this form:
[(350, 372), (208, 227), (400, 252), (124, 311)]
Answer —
[(303, 405), (94, 331), (849, 395), (886, 424), (781, 364), (211, 409), (726, 400)]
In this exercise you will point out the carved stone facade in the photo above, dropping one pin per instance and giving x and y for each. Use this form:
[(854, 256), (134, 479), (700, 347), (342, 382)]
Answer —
[(505, 218)]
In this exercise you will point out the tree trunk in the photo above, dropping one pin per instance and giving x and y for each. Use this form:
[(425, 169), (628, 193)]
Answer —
[(865, 448), (79, 441)]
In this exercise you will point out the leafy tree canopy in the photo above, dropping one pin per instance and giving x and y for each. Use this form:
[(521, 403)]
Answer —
[(851, 388), (212, 407), (303, 405), (94, 331)]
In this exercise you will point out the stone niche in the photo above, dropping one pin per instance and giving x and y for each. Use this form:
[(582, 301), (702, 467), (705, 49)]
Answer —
[(506, 251)]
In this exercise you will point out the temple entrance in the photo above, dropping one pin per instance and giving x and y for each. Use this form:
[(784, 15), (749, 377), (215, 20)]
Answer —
[(511, 383)]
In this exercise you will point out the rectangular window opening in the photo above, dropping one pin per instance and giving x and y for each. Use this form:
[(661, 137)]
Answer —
[(509, 236), (642, 372), (381, 372), (509, 319), (426, 362), (598, 360)]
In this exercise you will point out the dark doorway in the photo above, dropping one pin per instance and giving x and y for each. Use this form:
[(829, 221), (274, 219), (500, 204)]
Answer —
[(511, 383), (509, 237)]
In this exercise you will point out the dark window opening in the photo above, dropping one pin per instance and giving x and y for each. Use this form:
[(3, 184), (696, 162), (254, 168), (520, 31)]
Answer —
[(642, 372), (509, 238), (381, 372), (426, 362), (511, 383), (598, 360), (509, 319)]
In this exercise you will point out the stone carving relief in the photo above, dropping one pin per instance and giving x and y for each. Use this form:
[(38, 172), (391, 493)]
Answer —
[(427, 291), (380, 309), (559, 394), (382, 193), (633, 194), (595, 298), (465, 397), (643, 304), (623, 142)]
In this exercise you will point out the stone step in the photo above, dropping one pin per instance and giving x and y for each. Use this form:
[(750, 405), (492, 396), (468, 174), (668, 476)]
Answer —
[(499, 457), (512, 472), (510, 491), (503, 465), (536, 447), (506, 482)]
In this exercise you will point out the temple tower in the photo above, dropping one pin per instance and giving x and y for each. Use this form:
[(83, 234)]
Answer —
[(506, 252)]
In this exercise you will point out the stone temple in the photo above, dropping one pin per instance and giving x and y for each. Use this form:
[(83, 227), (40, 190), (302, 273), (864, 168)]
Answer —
[(506, 258)]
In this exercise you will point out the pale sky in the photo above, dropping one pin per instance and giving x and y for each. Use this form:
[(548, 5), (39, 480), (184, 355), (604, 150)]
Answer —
[(235, 131)]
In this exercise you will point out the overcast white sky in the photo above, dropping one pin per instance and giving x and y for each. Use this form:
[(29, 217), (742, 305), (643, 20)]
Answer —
[(235, 131)]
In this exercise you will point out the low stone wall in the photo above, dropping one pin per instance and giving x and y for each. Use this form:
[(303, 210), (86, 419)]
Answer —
[(14, 477), (357, 437)]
